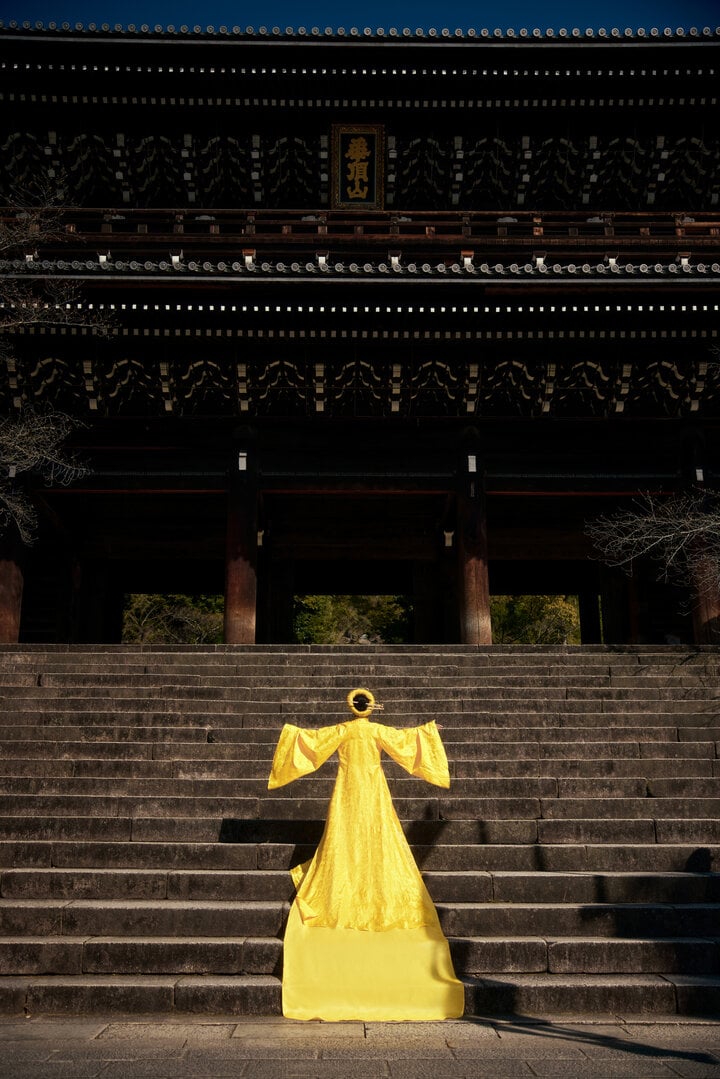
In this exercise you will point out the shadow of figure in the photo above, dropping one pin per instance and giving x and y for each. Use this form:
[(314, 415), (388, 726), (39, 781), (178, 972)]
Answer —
[(586, 1036)]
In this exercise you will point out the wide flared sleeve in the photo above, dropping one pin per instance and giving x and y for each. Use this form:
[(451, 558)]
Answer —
[(300, 752), (419, 750)]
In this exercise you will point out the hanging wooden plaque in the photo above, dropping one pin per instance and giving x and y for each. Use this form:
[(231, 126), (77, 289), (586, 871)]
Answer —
[(358, 157)]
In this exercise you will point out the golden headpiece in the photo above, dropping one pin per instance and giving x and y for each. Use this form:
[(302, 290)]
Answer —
[(362, 703)]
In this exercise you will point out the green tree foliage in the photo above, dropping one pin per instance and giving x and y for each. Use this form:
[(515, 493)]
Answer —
[(535, 619), (348, 619), (173, 619)]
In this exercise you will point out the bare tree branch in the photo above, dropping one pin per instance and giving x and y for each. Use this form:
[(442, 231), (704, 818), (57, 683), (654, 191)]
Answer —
[(32, 448), (33, 444), (34, 221), (54, 302), (680, 532)]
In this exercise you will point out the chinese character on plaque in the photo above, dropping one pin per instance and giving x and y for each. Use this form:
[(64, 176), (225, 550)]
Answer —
[(358, 154)]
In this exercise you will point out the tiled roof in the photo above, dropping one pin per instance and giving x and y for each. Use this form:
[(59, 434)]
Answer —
[(263, 269), (368, 33)]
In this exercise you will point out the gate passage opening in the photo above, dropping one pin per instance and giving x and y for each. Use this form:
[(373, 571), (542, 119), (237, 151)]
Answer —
[(172, 618), (351, 619), (535, 619)]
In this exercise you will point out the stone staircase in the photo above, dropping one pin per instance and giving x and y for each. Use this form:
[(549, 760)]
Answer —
[(143, 863)]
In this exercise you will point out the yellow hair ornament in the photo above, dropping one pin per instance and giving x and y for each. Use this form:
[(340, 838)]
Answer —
[(361, 703)]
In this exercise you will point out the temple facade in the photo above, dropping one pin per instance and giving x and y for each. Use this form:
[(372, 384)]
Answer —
[(361, 312)]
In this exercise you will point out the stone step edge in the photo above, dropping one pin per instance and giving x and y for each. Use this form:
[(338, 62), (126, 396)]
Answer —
[(260, 905), (500, 874), (219, 819), (658, 808), (539, 995), (165, 848), (200, 941)]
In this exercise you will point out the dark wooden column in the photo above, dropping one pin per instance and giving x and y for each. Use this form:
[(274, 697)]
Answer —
[(241, 551), (11, 589), (473, 579)]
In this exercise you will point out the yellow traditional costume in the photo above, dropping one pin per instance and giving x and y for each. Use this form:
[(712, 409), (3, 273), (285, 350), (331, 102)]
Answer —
[(363, 940)]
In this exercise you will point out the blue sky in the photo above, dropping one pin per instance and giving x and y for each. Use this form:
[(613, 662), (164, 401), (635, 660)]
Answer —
[(504, 14)]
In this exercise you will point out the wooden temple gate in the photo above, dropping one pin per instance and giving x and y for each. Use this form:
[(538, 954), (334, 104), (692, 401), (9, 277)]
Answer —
[(425, 384)]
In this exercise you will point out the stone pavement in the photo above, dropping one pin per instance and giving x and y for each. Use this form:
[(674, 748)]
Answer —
[(260, 1048)]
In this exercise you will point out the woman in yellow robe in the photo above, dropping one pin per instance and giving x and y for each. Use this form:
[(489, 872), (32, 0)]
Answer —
[(363, 939)]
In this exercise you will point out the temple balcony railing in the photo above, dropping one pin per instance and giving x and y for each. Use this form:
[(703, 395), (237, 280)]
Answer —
[(229, 230), (247, 239)]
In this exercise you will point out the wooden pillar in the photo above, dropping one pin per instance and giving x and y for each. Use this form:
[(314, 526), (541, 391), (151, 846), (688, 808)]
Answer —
[(241, 558), (706, 602), (11, 590), (473, 580)]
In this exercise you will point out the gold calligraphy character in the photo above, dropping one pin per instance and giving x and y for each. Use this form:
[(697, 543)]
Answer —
[(357, 156)]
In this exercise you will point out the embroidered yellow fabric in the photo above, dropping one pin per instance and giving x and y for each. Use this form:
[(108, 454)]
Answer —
[(363, 940)]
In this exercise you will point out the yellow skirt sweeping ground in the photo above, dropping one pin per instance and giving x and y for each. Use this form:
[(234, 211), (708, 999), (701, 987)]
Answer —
[(363, 940), (386, 976)]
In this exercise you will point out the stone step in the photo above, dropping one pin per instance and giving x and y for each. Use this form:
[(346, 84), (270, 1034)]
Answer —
[(412, 702), (68, 790), (177, 955), (461, 886), (460, 768), (90, 853), (220, 653), (316, 670), (90, 918), (146, 884), (401, 691), (387, 664), (265, 918), (494, 855), (381, 677), (312, 685), (500, 829), (146, 727), (320, 684), (702, 831), (531, 995), (553, 768), (110, 995), (284, 803), (543, 995), (606, 920), (626, 808), (49, 733), (401, 785), (556, 742)]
